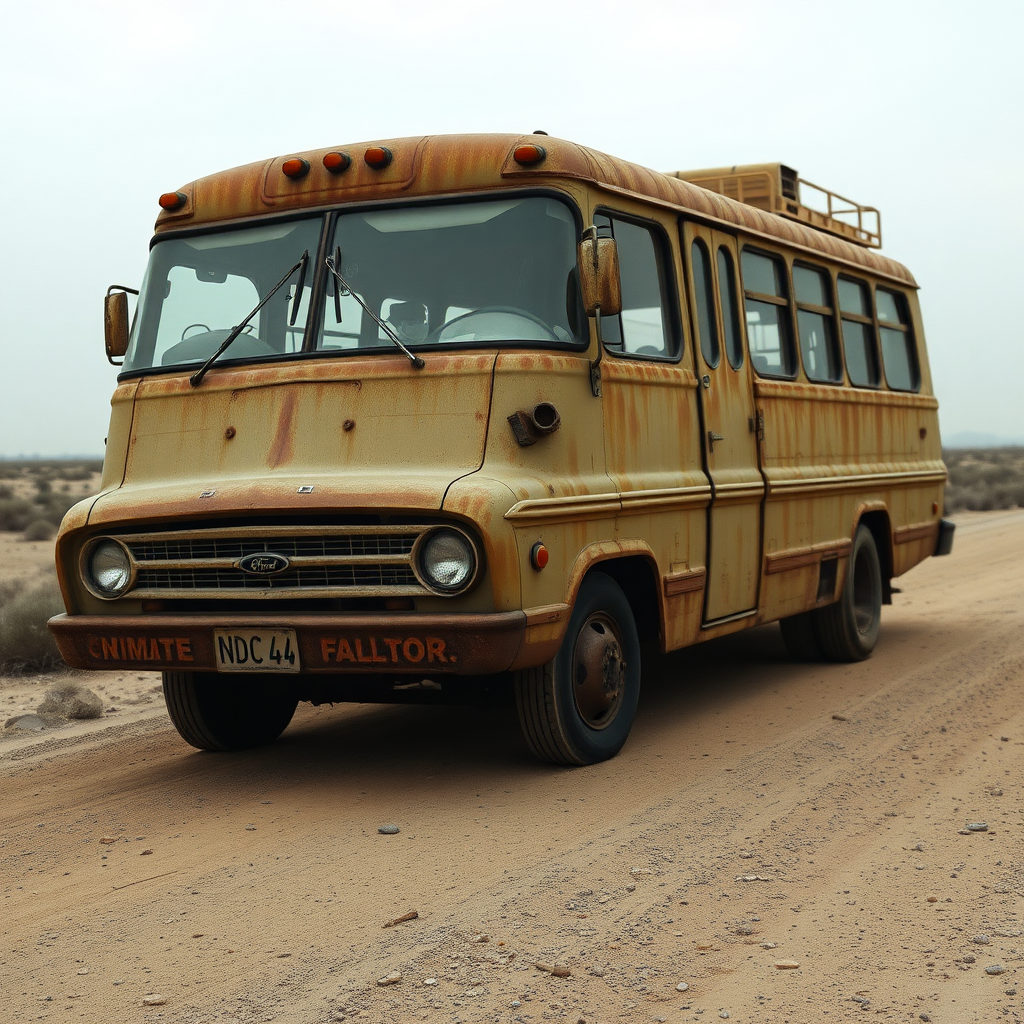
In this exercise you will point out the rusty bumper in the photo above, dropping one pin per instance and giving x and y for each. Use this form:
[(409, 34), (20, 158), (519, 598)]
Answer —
[(400, 642)]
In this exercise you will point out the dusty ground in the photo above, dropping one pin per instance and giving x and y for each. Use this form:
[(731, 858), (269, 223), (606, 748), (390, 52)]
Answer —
[(762, 814)]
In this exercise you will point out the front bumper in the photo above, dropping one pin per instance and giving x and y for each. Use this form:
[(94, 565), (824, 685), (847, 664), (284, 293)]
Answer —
[(405, 643)]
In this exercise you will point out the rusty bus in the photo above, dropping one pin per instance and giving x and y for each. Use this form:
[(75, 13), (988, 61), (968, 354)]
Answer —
[(427, 417)]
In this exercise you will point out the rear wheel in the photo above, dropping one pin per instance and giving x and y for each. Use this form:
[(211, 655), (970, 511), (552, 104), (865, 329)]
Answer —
[(848, 630), (580, 706), (213, 711)]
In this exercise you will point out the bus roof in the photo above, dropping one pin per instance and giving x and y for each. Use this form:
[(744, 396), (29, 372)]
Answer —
[(459, 164)]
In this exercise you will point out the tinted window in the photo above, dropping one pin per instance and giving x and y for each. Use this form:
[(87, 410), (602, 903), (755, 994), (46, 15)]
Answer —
[(858, 333), (730, 308), (898, 354), (704, 299), (643, 328), (769, 330), (814, 319)]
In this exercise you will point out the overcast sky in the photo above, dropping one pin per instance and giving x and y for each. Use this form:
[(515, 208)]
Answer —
[(914, 107)]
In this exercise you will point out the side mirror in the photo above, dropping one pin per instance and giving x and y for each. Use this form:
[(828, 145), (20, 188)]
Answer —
[(115, 321), (598, 260)]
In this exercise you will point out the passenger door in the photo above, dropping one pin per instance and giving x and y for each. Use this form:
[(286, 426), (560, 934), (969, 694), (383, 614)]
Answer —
[(729, 424)]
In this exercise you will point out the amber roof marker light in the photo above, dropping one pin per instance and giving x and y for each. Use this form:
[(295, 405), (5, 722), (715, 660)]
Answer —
[(296, 167), (529, 154), (378, 157), (172, 200), (337, 163)]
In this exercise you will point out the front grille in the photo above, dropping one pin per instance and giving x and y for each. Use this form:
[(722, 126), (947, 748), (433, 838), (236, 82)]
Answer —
[(354, 561)]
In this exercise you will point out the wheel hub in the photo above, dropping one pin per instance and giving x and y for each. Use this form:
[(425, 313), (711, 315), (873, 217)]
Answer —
[(599, 671)]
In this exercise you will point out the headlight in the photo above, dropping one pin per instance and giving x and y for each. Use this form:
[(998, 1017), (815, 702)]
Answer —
[(109, 568), (447, 560)]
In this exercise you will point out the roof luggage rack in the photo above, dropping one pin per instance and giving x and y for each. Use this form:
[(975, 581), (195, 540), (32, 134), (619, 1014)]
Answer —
[(777, 189)]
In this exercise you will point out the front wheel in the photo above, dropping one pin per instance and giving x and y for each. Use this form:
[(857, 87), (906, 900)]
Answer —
[(213, 711), (848, 630), (579, 707)]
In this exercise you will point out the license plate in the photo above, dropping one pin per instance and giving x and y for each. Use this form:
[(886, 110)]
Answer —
[(256, 650)]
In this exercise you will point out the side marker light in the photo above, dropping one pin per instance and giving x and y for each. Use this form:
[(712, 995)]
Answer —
[(296, 167), (538, 556), (173, 200), (378, 157)]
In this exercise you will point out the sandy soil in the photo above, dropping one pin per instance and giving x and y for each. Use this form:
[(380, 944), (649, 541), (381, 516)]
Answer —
[(788, 841)]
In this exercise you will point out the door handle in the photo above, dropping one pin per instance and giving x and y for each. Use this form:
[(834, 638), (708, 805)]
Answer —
[(712, 438)]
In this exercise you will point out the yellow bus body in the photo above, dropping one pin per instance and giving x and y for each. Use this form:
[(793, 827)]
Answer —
[(701, 542)]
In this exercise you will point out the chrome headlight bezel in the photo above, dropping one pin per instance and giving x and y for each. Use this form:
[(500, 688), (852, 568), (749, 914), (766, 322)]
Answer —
[(120, 560), (461, 547)]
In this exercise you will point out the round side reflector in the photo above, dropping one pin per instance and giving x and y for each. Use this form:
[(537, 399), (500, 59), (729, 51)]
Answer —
[(529, 154), (296, 167), (336, 163), (173, 200), (378, 157), (538, 556)]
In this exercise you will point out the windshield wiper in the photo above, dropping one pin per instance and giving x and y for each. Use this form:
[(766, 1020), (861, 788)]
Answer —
[(332, 265), (197, 378)]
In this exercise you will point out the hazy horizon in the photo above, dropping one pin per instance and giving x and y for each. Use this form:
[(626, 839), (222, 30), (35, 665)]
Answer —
[(913, 107)]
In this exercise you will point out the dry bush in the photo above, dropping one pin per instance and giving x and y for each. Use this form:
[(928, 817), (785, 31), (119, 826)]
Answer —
[(25, 643), (39, 529), (984, 479), (16, 514)]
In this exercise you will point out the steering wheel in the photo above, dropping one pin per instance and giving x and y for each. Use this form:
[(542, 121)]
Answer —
[(504, 311)]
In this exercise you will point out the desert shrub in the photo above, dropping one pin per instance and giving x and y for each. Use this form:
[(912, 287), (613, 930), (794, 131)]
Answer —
[(984, 479), (25, 643), (43, 486), (53, 507), (16, 514), (6, 492), (39, 529)]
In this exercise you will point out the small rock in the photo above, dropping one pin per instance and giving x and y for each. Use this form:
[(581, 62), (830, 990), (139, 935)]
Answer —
[(597, 972), (968, 959), (390, 979), (430, 981), (1011, 991), (83, 970), (1004, 739), (924, 1017), (630, 888), (995, 792), (981, 940), (995, 969), (724, 1014), (786, 965), (682, 987), (26, 723), (250, 828), (145, 853), (516, 1004), (389, 830), (154, 1000), (768, 945), (71, 700), (977, 826), (107, 840)]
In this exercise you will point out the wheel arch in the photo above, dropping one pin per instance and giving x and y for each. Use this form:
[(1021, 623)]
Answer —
[(877, 520), (634, 568)]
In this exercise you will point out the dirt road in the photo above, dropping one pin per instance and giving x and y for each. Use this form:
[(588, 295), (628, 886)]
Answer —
[(788, 841)]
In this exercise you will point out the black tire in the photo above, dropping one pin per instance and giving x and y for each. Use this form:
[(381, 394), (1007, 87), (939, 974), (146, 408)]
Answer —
[(800, 635), (213, 711), (848, 630), (565, 720)]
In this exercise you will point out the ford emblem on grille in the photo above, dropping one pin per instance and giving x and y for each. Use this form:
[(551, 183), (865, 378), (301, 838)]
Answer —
[(263, 563)]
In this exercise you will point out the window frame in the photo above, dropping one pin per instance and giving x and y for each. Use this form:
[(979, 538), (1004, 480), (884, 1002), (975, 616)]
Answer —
[(905, 327), (786, 324), (828, 314), (867, 321), (667, 285)]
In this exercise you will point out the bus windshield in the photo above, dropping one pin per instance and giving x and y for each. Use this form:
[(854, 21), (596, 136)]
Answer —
[(198, 287), (501, 270), (455, 273)]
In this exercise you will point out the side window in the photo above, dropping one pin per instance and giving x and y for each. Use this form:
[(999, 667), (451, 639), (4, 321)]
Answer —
[(858, 333), (769, 333), (814, 321), (730, 308), (704, 300), (899, 356), (645, 326)]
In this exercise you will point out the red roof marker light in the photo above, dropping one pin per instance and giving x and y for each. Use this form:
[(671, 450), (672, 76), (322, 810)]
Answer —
[(378, 157), (296, 167), (337, 163), (529, 154), (173, 200)]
